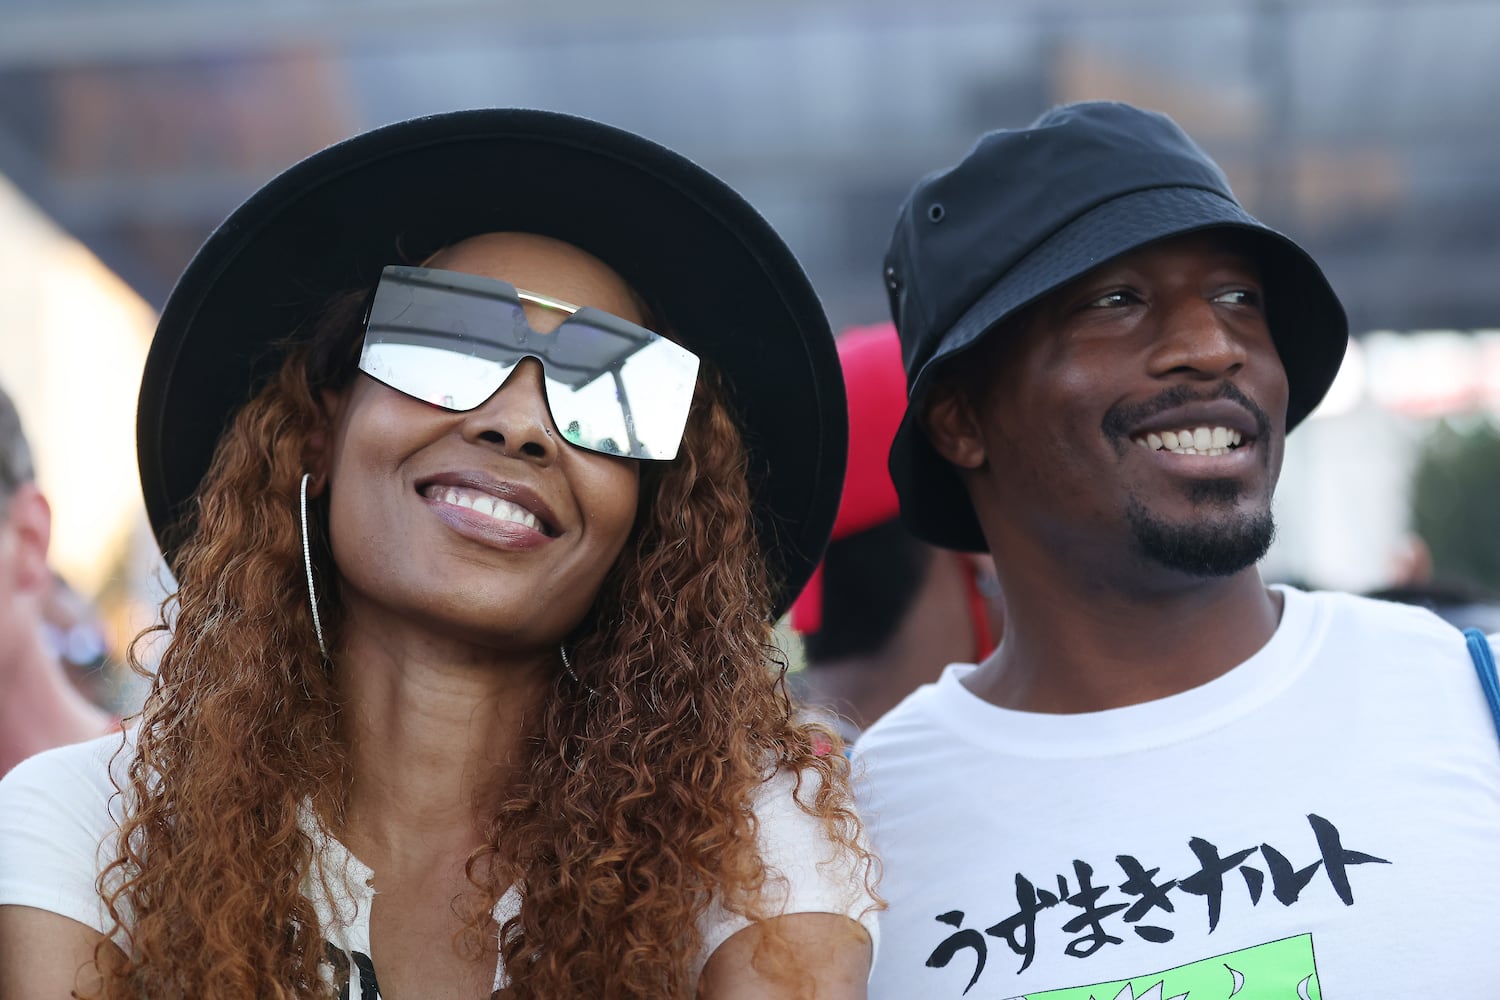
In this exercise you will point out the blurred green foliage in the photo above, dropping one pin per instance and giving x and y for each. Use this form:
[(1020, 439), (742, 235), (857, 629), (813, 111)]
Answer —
[(1456, 501)]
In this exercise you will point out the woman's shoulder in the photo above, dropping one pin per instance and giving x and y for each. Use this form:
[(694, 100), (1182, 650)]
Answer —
[(790, 795), (818, 857), (56, 810), (78, 775), (817, 860)]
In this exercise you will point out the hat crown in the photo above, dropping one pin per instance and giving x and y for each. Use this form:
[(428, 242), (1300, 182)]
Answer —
[(1027, 211), (713, 267), (962, 229)]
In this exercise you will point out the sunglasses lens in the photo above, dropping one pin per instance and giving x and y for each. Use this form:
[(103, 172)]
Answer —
[(615, 388), (453, 339), (434, 374)]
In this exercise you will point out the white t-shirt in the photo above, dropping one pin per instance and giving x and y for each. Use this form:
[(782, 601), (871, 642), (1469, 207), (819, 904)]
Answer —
[(1323, 820), (57, 808)]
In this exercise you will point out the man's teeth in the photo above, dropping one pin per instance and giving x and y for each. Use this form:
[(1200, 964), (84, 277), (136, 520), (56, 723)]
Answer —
[(489, 506), (1192, 441)]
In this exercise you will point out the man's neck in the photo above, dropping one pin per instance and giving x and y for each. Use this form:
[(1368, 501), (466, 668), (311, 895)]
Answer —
[(1072, 647)]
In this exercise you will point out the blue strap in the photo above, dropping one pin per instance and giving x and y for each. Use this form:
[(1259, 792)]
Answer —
[(1484, 662)]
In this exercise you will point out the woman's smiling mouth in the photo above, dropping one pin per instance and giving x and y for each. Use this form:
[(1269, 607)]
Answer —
[(493, 507), (490, 509)]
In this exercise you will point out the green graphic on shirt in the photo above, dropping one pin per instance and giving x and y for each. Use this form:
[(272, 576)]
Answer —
[(1277, 969)]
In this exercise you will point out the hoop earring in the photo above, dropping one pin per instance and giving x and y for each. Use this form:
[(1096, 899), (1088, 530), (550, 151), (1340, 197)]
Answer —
[(312, 593), (568, 667)]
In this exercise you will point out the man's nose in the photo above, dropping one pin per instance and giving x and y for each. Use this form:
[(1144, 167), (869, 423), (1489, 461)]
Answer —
[(1196, 338)]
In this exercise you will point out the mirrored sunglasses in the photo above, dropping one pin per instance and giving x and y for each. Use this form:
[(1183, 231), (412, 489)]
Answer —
[(453, 339)]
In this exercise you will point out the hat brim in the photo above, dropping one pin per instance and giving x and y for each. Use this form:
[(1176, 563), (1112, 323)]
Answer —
[(728, 286), (1306, 319)]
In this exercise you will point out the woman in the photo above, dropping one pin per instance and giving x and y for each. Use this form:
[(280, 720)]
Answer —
[(470, 685)]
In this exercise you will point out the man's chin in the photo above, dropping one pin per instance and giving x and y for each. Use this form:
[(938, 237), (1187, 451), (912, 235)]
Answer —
[(1218, 544)]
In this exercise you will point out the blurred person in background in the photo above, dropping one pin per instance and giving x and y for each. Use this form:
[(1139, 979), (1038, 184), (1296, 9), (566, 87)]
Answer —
[(885, 611), (470, 686), (1457, 600), (40, 707), (76, 634), (1450, 560), (1170, 779)]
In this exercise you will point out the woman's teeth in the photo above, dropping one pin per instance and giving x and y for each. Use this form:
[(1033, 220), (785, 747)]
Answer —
[(484, 503), (1192, 441)]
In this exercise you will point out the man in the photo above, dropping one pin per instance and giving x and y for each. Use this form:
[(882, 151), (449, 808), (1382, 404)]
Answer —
[(1168, 780), (885, 611), (39, 707)]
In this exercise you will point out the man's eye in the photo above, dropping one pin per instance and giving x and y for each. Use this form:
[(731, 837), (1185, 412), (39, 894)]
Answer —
[(1240, 297), (1112, 300)]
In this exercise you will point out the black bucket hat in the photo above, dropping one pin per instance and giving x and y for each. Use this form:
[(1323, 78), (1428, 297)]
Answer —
[(712, 266), (1027, 211)]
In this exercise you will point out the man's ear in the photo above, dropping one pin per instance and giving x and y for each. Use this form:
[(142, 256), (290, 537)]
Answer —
[(953, 427), (29, 517)]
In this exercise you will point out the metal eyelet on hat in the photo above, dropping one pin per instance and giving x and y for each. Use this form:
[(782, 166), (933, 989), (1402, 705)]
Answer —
[(891, 281), (935, 211)]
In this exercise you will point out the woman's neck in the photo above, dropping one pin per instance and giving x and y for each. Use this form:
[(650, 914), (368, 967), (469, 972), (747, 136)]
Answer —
[(435, 732)]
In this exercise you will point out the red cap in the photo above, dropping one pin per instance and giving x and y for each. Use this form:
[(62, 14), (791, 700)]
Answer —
[(875, 383)]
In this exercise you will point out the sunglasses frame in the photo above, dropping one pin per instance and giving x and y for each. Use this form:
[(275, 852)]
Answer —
[(459, 283)]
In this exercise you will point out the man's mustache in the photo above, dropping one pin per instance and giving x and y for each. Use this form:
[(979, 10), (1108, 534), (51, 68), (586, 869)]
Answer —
[(1121, 418)]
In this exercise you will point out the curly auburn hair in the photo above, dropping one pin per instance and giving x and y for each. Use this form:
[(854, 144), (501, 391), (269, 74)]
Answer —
[(632, 814)]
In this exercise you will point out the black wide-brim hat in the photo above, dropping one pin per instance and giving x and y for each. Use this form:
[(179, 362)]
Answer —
[(715, 270), (1029, 210)]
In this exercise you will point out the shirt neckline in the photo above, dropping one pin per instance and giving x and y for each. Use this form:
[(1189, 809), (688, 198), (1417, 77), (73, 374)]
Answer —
[(344, 909), (1135, 728)]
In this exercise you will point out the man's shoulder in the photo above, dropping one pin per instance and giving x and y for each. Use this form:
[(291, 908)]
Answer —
[(1386, 639), (916, 718), (1382, 616), (925, 741)]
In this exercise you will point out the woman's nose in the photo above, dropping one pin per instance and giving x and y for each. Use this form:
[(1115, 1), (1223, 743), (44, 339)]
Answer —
[(516, 418)]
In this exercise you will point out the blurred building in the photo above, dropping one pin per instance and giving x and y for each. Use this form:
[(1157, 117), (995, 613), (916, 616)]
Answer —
[(1364, 127)]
